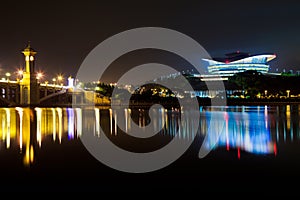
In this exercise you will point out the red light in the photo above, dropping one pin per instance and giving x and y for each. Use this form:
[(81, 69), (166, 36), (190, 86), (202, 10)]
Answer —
[(238, 51), (226, 116), (239, 153), (227, 61), (227, 146), (275, 149)]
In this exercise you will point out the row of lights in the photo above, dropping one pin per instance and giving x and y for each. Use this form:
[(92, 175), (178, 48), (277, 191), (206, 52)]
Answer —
[(39, 76)]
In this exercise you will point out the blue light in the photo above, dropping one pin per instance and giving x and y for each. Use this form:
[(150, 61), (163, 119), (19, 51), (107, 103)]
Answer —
[(244, 130), (227, 68), (71, 125)]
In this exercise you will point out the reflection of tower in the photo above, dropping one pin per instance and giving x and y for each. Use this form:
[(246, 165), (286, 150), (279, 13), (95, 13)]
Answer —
[(27, 134), (28, 85)]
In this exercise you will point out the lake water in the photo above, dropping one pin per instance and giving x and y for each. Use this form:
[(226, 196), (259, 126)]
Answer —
[(249, 148)]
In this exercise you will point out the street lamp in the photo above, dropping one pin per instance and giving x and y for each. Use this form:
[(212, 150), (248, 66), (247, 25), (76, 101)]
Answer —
[(288, 93), (7, 74), (266, 93), (54, 80), (39, 75), (20, 73)]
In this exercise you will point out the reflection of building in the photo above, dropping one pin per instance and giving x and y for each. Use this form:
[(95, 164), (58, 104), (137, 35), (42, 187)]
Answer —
[(239, 62), (248, 131)]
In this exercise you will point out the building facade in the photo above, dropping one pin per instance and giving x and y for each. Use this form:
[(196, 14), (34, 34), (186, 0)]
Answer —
[(238, 62)]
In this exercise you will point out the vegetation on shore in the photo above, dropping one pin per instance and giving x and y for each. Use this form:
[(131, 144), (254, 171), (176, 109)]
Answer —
[(249, 87)]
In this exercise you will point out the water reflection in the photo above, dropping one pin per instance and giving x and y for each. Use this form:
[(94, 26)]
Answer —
[(254, 129), (26, 128), (248, 131)]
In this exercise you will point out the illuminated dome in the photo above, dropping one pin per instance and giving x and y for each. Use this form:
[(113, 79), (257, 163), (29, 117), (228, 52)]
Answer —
[(239, 62)]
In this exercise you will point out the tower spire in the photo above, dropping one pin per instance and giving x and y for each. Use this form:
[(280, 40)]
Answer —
[(29, 87), (29, 54)]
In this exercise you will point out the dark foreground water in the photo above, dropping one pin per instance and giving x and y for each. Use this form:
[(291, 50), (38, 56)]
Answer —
[(258, 150)]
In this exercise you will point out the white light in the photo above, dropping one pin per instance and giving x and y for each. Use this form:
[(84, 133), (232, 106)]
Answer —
[(71, 82), (20, 72), (39, 75)]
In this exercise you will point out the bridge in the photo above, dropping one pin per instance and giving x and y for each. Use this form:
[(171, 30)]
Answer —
[(48, 94), (29, 92)]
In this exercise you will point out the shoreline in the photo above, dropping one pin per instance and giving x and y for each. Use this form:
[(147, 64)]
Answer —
[(235, 102), (168, 105)]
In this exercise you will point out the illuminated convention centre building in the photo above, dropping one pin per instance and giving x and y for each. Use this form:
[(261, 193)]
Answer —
[(222, 68), (239, 62)]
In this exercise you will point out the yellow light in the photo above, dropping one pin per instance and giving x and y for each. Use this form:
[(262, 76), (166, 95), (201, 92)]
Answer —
[(27, 58), (60, 125), (26, 157), (7, 74), (39, 75), (59, 78), (20, 72), (20, 111), (288, 93), (31, 154), (31, 58)]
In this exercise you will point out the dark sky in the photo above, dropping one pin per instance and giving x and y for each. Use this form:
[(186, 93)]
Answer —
[(64, 33)]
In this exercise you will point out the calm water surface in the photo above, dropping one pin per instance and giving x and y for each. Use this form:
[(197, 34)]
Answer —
[(40, 148)]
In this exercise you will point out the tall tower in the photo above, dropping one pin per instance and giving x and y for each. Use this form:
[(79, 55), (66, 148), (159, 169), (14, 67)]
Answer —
[(28, 85)]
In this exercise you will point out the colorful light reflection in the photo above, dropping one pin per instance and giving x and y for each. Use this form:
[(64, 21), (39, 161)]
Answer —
[(28, 127), (252, 129), (247, 131)]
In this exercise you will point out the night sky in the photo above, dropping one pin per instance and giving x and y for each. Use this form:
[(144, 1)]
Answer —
[(64, 33)]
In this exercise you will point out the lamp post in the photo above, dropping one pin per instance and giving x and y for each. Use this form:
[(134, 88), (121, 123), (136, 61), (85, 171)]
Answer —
[(20, 73), (54, 80), (7, 74), (39, 76), (288, 93), (266, 93)]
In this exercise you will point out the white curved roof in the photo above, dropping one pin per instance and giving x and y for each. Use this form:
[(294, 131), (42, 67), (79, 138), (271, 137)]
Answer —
[(257, 59)]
